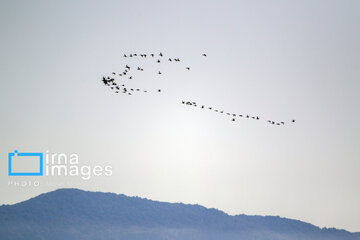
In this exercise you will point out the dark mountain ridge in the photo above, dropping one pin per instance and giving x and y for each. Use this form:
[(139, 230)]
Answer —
[(77, 214)]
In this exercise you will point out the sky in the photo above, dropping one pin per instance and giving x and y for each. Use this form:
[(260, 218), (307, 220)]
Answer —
[(279, 60)]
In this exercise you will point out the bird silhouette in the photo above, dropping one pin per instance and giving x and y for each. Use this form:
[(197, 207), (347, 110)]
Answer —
[(204, 55), (159, 90), (158, 60), (159, 72), (188, 68), (160, 54)]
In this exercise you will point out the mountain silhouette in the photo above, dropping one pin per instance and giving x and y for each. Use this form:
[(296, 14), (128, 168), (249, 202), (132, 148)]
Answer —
[(75, 214)]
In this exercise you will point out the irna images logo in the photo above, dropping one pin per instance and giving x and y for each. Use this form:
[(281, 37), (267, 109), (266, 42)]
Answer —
[(25, 164), (53, 164)]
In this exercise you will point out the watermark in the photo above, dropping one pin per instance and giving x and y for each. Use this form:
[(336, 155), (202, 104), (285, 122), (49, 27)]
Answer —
[(52, 164), (32, 164)]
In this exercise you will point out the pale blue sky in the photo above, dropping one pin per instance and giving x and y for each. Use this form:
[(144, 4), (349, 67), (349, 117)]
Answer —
[(278, 59)]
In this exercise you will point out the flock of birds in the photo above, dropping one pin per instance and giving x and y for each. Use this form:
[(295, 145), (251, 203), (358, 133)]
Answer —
[(128, 73), (232, 115)]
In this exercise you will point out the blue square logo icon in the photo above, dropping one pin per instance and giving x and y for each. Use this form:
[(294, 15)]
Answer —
[(25, 164)]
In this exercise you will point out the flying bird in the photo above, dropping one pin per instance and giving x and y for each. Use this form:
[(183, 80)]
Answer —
[(105, 81)]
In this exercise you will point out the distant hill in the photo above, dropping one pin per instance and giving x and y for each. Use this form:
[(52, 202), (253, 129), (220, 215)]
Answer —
[(68, 214)]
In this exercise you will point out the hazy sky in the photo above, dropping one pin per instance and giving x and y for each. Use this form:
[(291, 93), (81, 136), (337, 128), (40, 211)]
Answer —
[(276, 59)]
